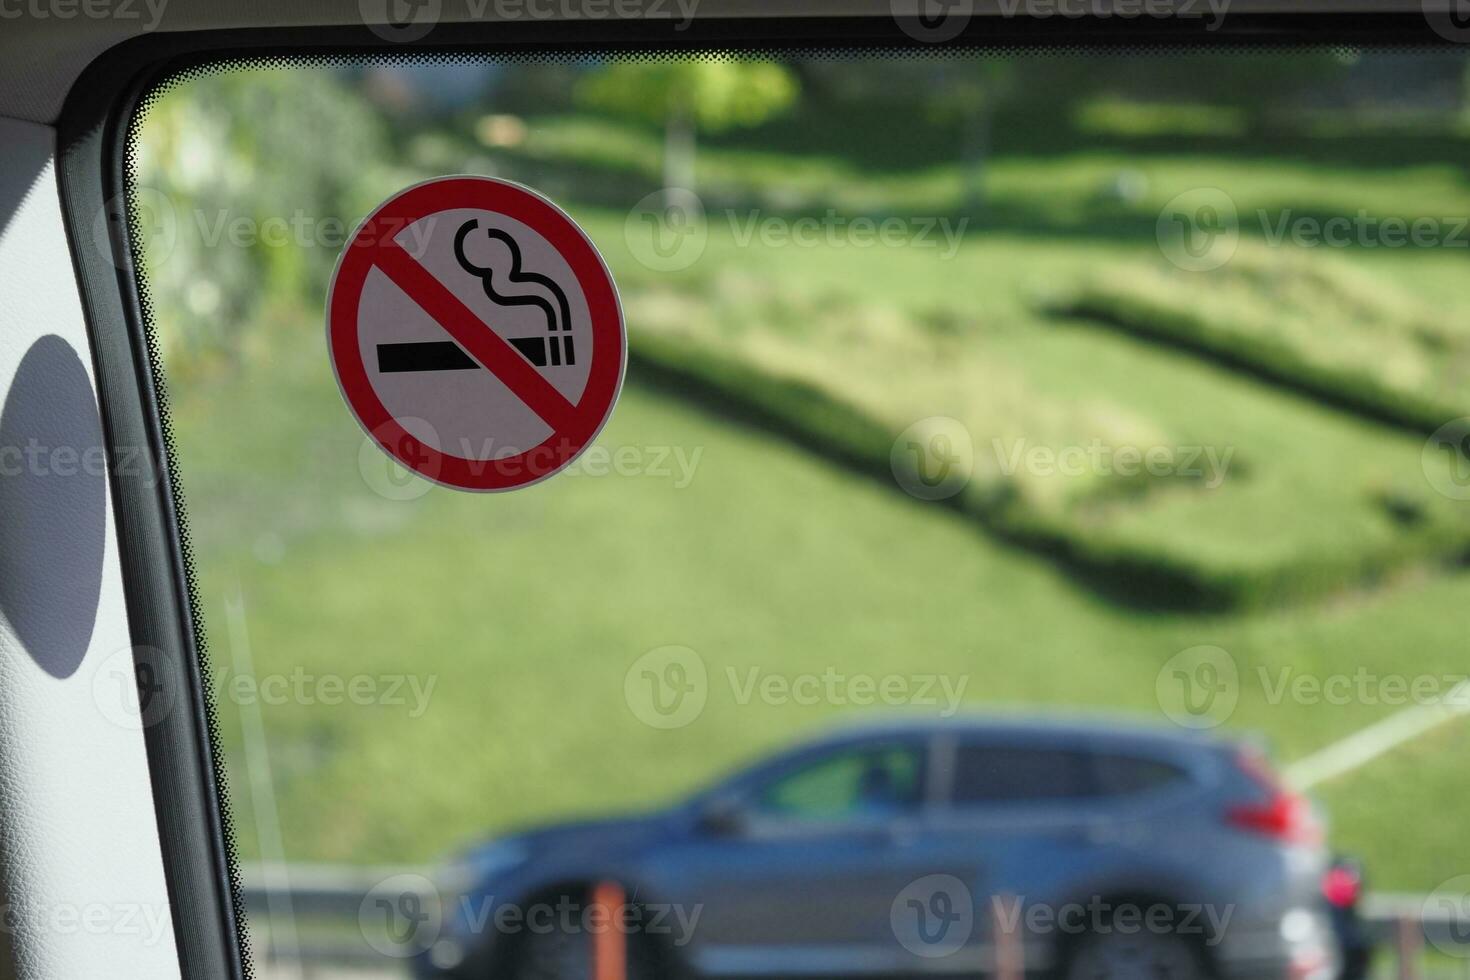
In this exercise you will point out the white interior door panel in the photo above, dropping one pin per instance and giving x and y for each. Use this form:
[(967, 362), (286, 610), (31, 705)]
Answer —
[(80, 865)]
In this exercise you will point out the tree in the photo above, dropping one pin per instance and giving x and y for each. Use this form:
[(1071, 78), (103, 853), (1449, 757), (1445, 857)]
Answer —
[(1266, 88), (689, 96), (247, 183), (970, 91)]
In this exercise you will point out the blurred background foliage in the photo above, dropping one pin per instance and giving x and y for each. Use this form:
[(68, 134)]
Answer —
[(686, 97)]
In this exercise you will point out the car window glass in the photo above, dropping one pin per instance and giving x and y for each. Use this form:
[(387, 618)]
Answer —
[(850, 783), (1126, 775), (985, 774), (956, 381)]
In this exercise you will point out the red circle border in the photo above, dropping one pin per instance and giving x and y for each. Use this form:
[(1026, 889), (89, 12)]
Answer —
[(609, 340)]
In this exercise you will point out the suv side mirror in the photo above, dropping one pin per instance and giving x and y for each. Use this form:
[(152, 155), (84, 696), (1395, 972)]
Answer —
[(723, 817)]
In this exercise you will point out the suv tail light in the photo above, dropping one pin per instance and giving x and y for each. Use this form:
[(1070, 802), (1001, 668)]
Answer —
[(1282, 815)]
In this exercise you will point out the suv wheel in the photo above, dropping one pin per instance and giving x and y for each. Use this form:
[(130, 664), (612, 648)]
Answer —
[(559, 955), (1140, 956)]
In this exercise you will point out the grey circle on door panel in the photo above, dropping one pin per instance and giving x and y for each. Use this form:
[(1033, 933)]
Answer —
[(53, 505)]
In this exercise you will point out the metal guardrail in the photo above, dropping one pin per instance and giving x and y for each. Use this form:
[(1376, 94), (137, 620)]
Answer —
[(1386, 914), (311, 914), (327, 895)]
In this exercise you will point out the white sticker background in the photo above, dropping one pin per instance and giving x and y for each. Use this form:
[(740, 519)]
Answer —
[(447, 410)]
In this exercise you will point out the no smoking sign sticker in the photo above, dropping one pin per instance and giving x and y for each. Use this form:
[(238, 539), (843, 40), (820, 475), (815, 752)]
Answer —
[(476, 333)]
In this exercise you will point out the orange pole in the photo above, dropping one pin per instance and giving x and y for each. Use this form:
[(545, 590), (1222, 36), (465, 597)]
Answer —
[(1010, 954), (1410, 947), (609, 942)]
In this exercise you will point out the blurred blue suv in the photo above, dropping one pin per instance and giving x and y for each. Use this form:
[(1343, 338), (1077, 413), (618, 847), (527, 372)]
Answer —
[(1076, 850)]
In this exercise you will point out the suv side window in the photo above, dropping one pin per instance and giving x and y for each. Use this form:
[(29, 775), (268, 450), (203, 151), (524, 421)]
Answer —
[(852, 782), (987, 775), (1129, 775)]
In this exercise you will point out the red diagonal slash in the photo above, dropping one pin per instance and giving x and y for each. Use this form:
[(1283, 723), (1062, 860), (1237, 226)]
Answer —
[(478, 340)]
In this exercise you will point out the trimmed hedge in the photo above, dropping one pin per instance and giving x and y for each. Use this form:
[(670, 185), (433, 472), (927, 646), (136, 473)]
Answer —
[(1135, 574)]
